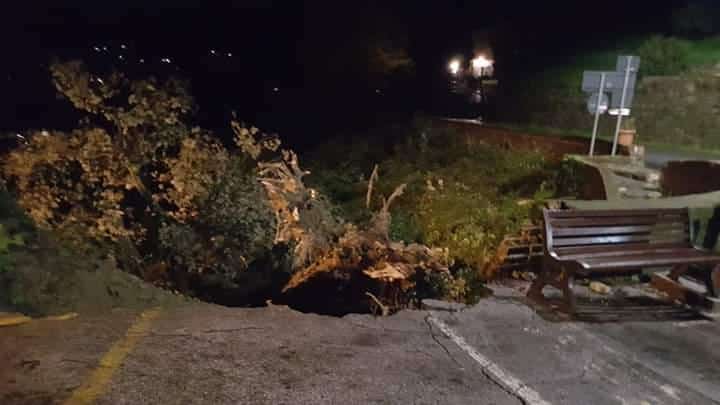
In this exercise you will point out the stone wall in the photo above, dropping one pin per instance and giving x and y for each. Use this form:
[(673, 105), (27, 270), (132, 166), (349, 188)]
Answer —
[(683, 110)]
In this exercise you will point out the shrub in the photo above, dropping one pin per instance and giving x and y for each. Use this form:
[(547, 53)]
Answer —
[(662, 56), (466, 199), (234, 227)]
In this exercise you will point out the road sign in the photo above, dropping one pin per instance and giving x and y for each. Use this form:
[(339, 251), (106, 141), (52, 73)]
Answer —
[(620, 85), (623, 61), (613, 84), (592, 103), (615, 111), (613, 80)]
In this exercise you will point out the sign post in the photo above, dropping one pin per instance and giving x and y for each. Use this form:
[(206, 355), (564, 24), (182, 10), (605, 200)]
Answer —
[(619, 85), (598, 106), (628, 69)]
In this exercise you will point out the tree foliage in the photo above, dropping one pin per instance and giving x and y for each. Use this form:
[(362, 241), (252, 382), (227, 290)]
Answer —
[(135, 171), (178, 207), (663, 56), (695, 19)]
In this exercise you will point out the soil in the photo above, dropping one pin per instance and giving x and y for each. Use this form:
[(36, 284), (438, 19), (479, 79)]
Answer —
[(44, 283)]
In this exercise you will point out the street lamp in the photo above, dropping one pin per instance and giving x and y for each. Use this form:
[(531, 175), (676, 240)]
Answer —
[(480, 65), (454, 67)]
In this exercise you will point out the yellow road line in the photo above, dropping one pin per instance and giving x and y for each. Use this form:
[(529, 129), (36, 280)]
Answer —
[(7, 319), (63, 317), (98, 381)]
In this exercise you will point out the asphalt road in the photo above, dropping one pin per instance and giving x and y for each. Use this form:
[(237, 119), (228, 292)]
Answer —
[(498, 352)]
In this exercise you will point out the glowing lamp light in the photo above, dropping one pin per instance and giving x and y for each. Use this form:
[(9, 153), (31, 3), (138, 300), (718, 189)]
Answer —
[(481, 62), (454, 66)]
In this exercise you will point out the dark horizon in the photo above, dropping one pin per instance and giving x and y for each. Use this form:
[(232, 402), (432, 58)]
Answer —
[(297, 63)]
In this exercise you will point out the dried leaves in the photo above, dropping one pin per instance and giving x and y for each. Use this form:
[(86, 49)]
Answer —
[(369, 259), (67, 180), (199, 164)]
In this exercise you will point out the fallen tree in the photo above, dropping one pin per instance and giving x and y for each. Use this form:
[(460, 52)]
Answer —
[(355, 270), (173, 205)]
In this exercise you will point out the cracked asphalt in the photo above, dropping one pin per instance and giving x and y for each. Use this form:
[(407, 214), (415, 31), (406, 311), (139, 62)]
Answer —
[(497, 352)]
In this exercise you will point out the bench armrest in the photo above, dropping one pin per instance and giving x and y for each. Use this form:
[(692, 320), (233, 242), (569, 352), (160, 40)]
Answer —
[(573, 263)]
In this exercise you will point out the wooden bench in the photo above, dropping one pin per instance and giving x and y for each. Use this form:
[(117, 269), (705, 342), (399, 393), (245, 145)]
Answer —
[(587, 243)]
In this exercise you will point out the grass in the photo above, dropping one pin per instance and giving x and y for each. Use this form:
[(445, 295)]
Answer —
[(704, 52), (546, 131), (465, 198), (568, 76)]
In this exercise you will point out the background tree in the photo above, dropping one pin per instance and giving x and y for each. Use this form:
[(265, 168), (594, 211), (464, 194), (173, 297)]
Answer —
[(697, 19), (136, 178)]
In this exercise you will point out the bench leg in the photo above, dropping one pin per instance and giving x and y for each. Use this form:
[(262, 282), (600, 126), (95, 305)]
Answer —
[(561, 279), (678, 271), (568, 282), (712, 282), (536, 287)]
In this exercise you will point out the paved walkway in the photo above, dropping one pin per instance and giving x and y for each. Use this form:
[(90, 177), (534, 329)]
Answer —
[(498, 352)]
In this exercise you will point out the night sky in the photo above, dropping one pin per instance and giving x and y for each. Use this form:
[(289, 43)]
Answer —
[(283, 64)]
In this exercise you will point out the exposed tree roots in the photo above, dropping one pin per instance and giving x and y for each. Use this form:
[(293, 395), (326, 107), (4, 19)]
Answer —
[(340, 270)]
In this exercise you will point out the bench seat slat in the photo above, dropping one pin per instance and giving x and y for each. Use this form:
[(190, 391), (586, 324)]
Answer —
[(615, 221), (609, 252), (619, 239)]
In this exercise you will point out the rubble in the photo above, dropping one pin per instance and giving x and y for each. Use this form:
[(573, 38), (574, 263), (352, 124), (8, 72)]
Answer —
[(599, 288)]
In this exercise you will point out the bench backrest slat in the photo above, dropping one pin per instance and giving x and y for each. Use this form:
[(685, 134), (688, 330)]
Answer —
[(573, 231), (619, 220), (616, 213), (590, 251), (619, 230)]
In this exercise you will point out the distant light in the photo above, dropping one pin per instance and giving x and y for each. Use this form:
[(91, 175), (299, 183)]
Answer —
[(377, 91), (99, 80), (165, 60), (481, 62), (105, 48), (123, 46), (121, 57), (275, 89), (96, 48), (213, 52), (142, 60), (454, 66), (229, 54)]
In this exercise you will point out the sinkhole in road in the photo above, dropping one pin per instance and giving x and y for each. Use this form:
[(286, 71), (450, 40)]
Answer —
[(324, 294)]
